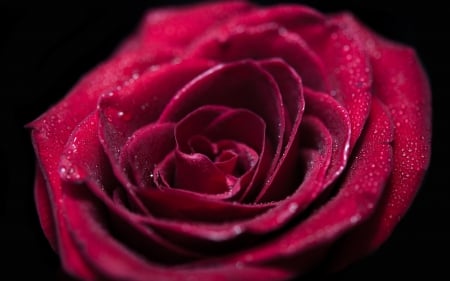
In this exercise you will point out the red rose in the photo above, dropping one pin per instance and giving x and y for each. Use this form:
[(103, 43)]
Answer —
[(229, 141)]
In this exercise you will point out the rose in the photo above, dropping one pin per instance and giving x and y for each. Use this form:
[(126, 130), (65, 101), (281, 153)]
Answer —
[(232, 141)]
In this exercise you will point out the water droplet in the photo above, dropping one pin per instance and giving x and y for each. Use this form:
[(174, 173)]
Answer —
[(354, 219), (293, 207), (154, 68), (237, 229), (69, 173)]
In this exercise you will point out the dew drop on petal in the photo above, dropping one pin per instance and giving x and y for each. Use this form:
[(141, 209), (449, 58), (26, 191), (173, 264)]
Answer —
[(293, 207), (239, 264), (237, 229)]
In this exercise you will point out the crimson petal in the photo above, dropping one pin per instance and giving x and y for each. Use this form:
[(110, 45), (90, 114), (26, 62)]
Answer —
[(225, 81), (186, 207), (146, 148), (401, 84), (173, 28), (245, 42), (240, 128), (292, 94), (338, 121), (312, 160)]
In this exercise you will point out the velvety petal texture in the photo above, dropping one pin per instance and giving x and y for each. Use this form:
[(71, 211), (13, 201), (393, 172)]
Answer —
[(231, 141)]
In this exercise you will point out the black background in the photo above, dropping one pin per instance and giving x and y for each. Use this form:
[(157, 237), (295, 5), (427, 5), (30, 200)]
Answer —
[(45, 49)]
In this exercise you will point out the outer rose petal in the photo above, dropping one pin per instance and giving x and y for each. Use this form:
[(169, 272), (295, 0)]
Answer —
[(51, 130), (399, 81), (174, 28)]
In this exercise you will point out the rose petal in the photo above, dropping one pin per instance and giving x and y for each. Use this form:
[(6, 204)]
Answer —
[(180, 205), (338, 121), (261, 95), (311, 161), (245, 43), (45, 206), (173, 27), (292, 94), (401, 84), (145, 149), (241, 128)]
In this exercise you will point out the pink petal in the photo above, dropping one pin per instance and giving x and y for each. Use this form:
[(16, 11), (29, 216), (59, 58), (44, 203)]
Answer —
[(182, 206), (44, 206), (146, 148), (336, 118), (311, 163), (292, 94), (195, 171), (257, 92), (173, 27), (399, 81), (245, 43)]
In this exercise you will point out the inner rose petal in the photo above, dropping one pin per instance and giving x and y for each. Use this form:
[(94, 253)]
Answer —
[(291, 89), (231, 140), (144, 150), (184, 207), (242, 84), (337, 119)]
